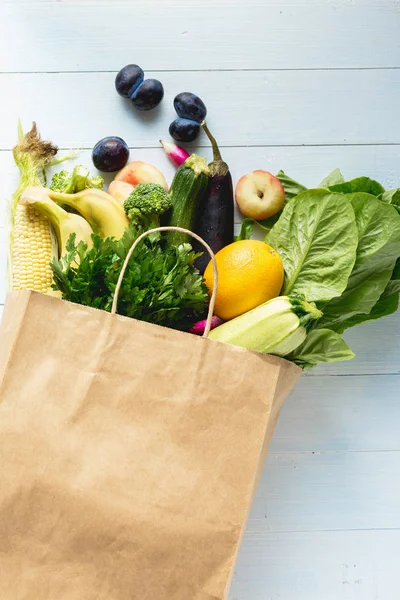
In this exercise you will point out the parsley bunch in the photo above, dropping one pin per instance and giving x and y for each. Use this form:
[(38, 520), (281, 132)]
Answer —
[(161, 285)]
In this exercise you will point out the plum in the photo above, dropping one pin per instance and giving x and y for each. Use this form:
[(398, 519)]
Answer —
[(189, 106), (110, 154), (148, 95), (128, 80), (184, 130)]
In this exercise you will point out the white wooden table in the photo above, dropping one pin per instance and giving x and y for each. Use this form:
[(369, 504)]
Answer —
[(302, 85)]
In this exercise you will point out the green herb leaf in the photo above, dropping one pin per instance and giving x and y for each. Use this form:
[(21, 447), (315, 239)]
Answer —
[(321, 346), (378, 249), (316, 238), (160, 285), (333, 178)]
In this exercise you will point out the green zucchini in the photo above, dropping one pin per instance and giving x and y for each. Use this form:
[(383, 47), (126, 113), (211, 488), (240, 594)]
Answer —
[(277, 327), (188, 188)]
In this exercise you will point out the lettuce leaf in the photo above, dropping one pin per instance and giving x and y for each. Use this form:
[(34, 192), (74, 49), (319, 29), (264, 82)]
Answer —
[(387, 304), (378, 249), (321, 345), (267, 224), (392, 197), (333, 178), (360, 184), (246, 230), (292, 188), (317, 239)]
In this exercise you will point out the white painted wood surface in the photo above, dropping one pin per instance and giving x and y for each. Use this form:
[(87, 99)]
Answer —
[(291, 107), (301, 85), (185, 35)]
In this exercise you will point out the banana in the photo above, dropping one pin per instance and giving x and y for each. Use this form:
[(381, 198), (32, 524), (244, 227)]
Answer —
[(63, 222), (104, 213)]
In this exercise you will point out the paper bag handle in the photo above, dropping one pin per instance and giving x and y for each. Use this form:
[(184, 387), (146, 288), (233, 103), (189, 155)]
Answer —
[(193, 235)]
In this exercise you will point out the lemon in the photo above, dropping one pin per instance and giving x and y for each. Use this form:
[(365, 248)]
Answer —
[(249, 273)]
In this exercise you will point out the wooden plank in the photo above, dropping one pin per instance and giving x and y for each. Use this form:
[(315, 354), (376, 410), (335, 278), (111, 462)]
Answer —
[(384, 4), (329, 565), (223, 34), (376, 346), (309, 165), (296, 488), (338, 414), (297, 107)]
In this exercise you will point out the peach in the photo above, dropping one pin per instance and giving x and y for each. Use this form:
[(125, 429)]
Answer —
[(140, 172), (120, 190), (259, 195)]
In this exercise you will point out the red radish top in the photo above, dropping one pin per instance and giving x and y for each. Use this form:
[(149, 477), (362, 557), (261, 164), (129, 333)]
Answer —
[(175, 153)]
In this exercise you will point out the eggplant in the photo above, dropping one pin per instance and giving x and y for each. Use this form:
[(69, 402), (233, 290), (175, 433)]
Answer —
[(214, 219)]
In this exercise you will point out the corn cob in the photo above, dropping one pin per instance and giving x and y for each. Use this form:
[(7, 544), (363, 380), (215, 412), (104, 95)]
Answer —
[(32, 250), (32, 241)]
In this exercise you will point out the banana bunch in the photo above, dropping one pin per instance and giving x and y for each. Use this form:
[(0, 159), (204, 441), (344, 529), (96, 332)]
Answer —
[(96, 211)]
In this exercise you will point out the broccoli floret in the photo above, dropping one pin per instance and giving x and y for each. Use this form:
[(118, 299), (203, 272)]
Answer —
[(76, 181), (60, 181), (95, 182), (146, 204)]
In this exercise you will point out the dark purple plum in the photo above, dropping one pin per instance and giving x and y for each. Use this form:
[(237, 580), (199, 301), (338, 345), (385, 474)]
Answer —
[(110, 154), (148, 95), (128, 80), (189, 106), (184, 130)]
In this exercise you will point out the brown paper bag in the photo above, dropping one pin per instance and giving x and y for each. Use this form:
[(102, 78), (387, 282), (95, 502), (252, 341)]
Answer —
[(130, 454)]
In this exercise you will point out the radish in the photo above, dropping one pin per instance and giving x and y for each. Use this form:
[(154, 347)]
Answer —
[(175, 153), (199, 327)]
